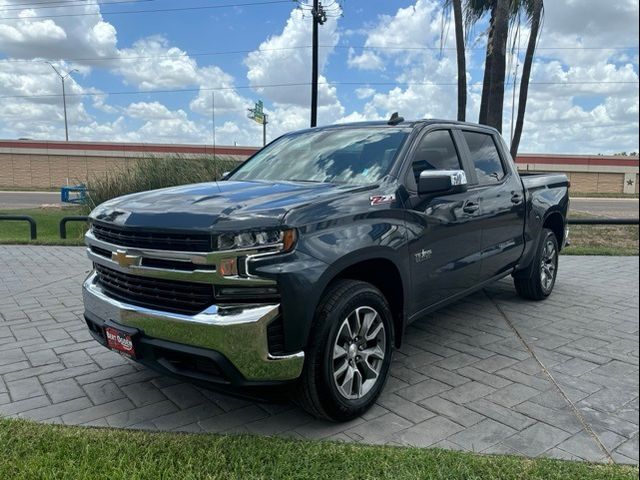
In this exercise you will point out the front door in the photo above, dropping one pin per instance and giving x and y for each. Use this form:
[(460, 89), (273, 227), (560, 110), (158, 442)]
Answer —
[(445, 239), (502, 211)]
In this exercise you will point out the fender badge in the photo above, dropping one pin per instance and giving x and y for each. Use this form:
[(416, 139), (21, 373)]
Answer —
[(382, 199), (422, 255)]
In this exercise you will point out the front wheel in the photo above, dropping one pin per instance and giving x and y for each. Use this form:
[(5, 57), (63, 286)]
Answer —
[(539, 284), (349, 352)]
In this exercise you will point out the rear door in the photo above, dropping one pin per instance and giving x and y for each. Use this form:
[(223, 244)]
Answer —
[(445, 238), (501, 198)]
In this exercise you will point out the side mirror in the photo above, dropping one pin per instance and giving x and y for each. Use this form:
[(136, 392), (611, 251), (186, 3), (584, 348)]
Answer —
[(442, 182), (224, 175)]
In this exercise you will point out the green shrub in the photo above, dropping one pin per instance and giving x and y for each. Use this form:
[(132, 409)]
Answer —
[(155, 172)]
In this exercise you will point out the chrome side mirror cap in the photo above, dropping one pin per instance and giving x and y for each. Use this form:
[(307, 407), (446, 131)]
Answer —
[(442, 182)]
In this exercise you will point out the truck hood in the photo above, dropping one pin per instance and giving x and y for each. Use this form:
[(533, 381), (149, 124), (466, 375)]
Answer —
[(222, 206)]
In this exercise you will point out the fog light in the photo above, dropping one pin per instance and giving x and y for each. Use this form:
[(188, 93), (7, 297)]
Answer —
[(228, 267)]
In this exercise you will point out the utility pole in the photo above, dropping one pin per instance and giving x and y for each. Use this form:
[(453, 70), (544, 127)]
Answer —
[(64, 97), (319, 17)]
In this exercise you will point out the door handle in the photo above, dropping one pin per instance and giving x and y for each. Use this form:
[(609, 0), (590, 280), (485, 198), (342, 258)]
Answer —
[(516, 198), (470, 207)]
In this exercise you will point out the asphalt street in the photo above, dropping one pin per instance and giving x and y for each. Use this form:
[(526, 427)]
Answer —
[(607, 207), (610, 207), (18, 200)]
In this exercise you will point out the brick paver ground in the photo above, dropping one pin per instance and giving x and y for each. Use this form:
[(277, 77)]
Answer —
[(491, 373)]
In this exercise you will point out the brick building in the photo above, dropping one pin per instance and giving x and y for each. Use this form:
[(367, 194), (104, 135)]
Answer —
[(33, 164)]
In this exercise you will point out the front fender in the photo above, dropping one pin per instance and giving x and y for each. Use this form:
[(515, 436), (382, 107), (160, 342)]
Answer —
[(322, 253)]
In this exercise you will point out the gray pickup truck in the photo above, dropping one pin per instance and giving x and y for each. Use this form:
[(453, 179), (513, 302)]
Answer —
[(304, 266)]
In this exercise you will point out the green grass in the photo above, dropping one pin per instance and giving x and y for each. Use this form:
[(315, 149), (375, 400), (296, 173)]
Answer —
[(47, 221), (37, 451), (601, 239)]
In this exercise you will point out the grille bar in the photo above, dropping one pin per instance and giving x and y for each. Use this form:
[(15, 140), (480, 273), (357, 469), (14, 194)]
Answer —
[(167, 295), (186, 242)]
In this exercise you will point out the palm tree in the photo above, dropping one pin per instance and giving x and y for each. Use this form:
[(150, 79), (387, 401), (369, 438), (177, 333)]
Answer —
[(535, 12), (458, 22), (492, 103)]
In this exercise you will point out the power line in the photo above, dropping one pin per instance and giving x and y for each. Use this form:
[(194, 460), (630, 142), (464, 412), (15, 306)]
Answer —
[(298, 84), (299, 47), (156, 10), (72, 4)]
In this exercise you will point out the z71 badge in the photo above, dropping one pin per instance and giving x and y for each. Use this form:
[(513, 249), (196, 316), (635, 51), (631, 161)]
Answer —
[(381, 199)]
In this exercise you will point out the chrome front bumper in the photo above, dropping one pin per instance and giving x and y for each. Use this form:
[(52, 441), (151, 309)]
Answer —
[(239, 332)]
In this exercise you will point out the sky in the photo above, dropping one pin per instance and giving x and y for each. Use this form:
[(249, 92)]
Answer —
[(152, 70)]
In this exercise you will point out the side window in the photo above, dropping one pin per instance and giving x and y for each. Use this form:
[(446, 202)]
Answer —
[(436, 151), (485, 157)]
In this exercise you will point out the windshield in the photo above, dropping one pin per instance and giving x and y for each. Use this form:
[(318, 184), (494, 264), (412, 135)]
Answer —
[(341, 155)]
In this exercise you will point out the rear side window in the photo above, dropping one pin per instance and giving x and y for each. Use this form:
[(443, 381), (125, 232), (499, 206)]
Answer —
[(485, 157), (436, 151)]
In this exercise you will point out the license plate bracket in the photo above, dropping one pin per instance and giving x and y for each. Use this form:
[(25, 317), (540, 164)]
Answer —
[(121, 340)]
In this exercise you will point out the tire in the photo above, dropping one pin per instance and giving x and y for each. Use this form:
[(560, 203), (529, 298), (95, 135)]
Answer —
[(324, 389), (539, 284)]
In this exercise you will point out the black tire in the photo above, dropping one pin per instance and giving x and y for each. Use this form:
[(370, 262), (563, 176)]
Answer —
[(317, 391), (541, 278)]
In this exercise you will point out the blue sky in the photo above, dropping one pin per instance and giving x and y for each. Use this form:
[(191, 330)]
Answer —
[(585, 99)]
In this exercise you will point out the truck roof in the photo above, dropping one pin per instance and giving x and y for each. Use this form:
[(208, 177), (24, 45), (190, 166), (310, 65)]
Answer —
[(404, 123)]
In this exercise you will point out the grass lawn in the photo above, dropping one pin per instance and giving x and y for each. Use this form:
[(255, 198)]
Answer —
[(47, 220), (29, 450), (601, 239)]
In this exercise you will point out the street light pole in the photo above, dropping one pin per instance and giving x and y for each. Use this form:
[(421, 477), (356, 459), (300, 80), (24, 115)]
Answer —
[(64, 97)]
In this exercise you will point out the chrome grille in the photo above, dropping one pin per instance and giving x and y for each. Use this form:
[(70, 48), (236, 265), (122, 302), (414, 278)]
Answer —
[(185, 242), (166, 295)]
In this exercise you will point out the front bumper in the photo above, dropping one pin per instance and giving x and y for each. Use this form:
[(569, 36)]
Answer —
[(237, 333)]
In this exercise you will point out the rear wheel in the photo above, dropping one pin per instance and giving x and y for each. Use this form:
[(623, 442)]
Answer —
[(349, 352), (539, 284)]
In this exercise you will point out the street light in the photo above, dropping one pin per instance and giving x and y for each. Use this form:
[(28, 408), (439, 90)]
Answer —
[(64, 97)]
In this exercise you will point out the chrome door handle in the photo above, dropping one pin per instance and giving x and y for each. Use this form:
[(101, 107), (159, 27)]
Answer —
[(470, 207)]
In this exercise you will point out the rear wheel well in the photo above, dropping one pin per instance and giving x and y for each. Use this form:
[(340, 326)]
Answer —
[(555, 222), (384, 275)]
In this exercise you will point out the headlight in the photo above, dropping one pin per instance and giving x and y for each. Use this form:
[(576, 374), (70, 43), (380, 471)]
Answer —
[(285, 239)]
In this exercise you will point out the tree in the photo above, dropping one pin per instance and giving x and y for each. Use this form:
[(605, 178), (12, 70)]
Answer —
[(492, 103), (535, 12), (461, 59)]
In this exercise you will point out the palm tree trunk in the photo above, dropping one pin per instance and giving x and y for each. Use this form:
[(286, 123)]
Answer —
[(462, 63), (497, 50), (536, 19), (486, 79)]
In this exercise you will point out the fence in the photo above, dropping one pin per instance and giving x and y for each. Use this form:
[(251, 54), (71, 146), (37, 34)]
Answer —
[(81, 218)]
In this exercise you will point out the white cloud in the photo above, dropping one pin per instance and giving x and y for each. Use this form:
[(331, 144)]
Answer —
[(279, 60), (55, 38), (151, 64), (364, 92), (227, 99), (367, 60)]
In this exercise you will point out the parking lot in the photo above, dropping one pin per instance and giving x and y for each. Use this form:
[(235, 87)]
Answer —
[(491, 373)]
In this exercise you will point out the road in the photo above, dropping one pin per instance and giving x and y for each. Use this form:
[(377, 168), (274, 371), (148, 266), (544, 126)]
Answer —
[(17, 200), (606, 207), (610, 207)]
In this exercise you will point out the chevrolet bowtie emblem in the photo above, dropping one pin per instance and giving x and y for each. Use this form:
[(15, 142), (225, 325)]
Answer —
[(125, 260)]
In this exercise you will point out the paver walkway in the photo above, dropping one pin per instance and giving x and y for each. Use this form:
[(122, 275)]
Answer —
[(491, 373)]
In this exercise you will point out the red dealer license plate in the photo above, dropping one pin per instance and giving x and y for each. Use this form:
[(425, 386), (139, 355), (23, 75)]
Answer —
[(120, 342)]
